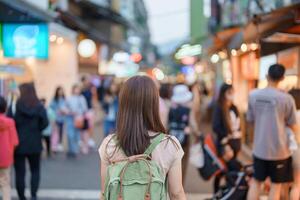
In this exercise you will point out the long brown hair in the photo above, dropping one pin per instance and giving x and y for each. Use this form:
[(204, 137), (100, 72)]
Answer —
[(138, 114), (222, 103), (28, 95)]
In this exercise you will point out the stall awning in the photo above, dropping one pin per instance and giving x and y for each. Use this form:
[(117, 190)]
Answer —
[(291, 35), (219, 40), (264, 25), (18, 11)]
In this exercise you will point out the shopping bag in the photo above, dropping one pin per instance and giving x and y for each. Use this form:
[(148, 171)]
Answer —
[(196, 155), (213, 165)]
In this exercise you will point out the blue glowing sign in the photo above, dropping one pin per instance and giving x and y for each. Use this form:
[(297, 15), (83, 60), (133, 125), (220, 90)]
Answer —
[(187, 70), (25, 40)]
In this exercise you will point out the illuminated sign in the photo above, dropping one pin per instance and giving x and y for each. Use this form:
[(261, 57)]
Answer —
[(188, 51), (25, 40), (0, 36)]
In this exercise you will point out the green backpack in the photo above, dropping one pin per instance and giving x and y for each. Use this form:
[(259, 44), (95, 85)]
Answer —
[(136, 177)]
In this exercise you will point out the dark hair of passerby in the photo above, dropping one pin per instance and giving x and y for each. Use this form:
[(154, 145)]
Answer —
[(165, 91), (138, 113), (222, 94), (223, 103), (43, 101), (59, 93), (28, 95), (3, 105), (276, 72), (85, 82), (112, 90), (83, 79)]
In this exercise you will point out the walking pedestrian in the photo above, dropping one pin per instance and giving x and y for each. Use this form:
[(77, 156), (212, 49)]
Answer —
[(226, 121), (58, 105), (226, 125), (179, 120), (295, 192), (76, 107), (271, 110), (138, 126), (8, 141), (196, 108), (165, 92), (110, 107), (47, 132), (88, 95), (30, 118)]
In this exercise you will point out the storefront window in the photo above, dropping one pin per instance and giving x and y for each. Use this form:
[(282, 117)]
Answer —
[(237, 12)]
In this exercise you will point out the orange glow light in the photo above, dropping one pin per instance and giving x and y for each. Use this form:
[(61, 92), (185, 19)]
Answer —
[(136, 57)]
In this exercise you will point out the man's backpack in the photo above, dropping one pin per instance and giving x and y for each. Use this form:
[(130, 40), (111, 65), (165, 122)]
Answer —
[(136, 177)]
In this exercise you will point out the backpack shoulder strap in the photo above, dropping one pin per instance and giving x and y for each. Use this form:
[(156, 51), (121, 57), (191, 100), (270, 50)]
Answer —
[(154, 143)]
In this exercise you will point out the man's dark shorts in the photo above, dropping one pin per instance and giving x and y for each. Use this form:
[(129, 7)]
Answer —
[(280, 171)]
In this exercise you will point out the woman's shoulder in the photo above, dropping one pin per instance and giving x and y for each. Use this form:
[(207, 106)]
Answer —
[(170, 143), (107, 143), (169, 152), (110, 150), (109, 140)]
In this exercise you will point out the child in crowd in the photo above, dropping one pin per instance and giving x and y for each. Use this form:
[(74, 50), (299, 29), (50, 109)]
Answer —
[(47, 132), (8, 142)]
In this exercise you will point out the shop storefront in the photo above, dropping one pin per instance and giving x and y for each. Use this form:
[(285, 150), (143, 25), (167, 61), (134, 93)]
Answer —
[(41, 53), (265, 41), (245, 56)]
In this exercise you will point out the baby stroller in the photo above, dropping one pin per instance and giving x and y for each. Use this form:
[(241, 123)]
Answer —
[(232, 185), (236, 185)]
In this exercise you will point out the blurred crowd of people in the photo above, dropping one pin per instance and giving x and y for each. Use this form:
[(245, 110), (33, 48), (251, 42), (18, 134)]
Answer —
[(67, 124), (64, 124)]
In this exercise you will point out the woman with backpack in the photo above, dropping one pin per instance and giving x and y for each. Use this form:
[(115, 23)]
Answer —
[(139, 160)]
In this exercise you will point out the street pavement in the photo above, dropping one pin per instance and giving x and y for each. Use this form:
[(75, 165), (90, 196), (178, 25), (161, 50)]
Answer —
[(79, 178), (63, 178)]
